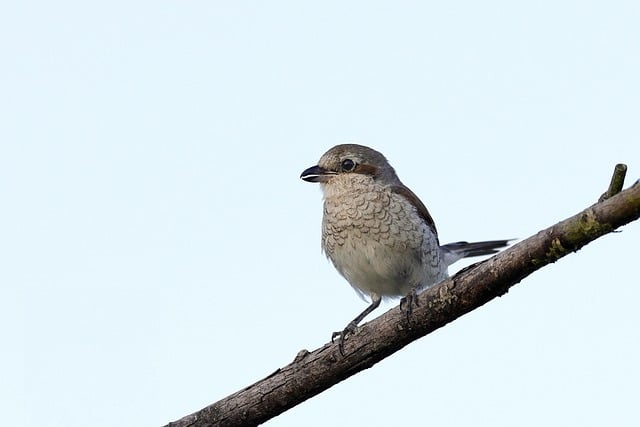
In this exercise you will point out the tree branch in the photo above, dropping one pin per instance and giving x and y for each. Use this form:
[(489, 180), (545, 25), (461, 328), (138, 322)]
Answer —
[(313, 372)]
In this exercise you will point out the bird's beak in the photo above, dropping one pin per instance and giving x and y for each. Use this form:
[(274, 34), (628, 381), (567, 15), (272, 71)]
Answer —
[(317, 174)]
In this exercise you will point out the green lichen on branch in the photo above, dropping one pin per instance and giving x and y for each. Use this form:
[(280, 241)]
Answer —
[(556, 251), (587, 229)]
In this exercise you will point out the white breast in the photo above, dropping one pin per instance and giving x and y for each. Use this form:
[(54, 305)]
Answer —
[(376, 239)]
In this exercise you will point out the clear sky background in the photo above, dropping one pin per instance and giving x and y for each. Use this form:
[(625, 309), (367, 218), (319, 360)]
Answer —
[(158, 250)]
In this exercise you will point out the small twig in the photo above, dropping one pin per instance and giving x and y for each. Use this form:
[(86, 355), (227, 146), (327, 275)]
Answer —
[(617, 182)]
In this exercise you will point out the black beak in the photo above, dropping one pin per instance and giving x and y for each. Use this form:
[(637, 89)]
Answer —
[(316, 174)]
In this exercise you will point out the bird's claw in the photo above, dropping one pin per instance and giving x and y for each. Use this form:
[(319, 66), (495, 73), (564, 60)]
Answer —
[(342, 335), (409, 301)]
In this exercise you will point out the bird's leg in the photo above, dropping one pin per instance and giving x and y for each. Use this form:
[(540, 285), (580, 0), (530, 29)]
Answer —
[(409, 301), (351, 327)]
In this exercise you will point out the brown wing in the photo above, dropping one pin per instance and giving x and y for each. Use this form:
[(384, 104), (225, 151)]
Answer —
[(420, 207)]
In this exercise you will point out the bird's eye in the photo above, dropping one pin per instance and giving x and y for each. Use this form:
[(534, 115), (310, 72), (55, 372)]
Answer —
[(348, 165)]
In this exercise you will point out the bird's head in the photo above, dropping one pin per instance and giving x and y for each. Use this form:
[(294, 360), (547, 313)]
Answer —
[(351, 160)]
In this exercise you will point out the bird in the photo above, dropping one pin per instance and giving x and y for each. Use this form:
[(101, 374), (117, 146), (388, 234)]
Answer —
[(377, 233)]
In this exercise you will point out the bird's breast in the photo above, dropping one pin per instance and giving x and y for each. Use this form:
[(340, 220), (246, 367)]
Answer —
[(377, 241), (370, 216)]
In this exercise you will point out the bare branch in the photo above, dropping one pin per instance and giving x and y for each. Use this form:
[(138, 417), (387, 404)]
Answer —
[(313, 372)]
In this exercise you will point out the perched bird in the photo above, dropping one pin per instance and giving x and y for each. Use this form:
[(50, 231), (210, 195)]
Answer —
[(377, 233)]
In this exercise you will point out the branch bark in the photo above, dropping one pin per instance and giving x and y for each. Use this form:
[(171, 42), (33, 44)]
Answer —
[(313, 372)]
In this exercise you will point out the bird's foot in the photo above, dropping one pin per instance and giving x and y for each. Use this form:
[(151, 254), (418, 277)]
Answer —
[(342, 335), (409, 301)]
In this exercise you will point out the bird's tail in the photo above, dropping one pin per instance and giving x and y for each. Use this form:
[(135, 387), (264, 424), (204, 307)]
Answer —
[(456, 251)]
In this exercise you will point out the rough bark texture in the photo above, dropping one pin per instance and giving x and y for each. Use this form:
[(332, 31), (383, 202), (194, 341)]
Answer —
[(313, 372)]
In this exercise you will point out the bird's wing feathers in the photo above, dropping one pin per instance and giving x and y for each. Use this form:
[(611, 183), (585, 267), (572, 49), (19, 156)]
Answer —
[(420, 207)]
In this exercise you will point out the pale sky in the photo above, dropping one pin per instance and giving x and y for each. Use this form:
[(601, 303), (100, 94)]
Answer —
[(159, 251)]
